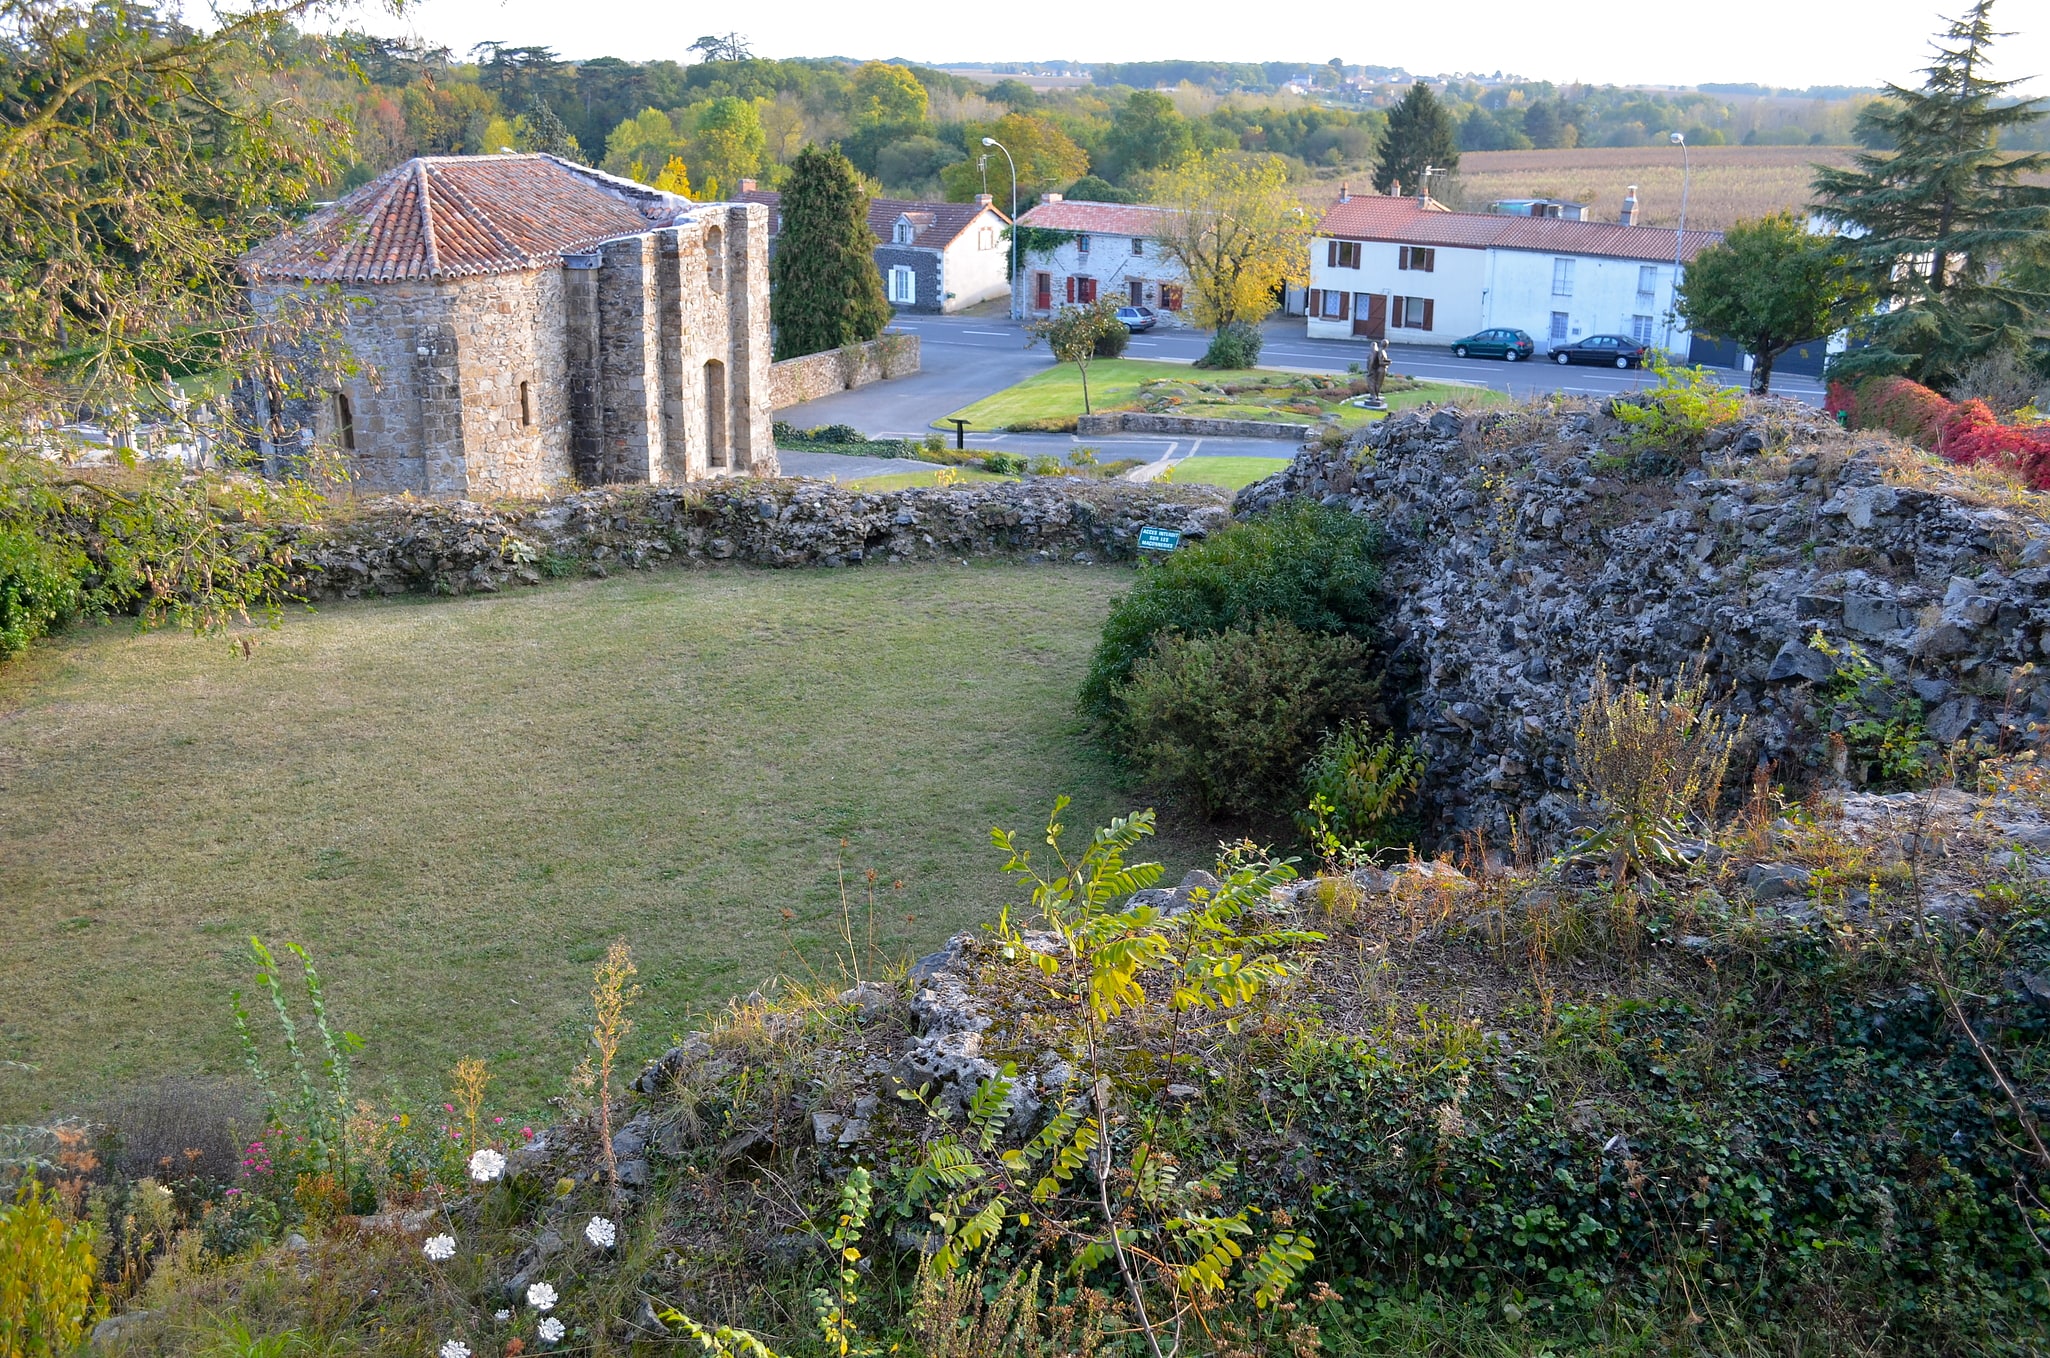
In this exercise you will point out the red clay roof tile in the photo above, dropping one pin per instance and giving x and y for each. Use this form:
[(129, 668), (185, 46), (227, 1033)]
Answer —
[(1404, 220), (455, 216)]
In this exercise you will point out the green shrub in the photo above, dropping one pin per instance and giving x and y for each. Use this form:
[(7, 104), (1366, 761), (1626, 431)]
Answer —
[(46, 1277), (1301, 562), (1004, 464), (40, 586), (1111, 342), (1235, 345), (1230, 719), (1670, 420), (1358, 789)]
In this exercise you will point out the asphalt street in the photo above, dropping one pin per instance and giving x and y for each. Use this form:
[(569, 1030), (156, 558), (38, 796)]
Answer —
[(965, 358)]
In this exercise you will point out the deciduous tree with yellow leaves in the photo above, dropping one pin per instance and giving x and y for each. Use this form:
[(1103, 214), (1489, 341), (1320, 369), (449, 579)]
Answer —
[(1238, 232)]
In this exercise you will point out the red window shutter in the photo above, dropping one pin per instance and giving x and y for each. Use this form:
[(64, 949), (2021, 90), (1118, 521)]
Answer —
[(1331, 255), (1430, 261), (1071, 287), (1339, 313), (1427, 313), (1398, 312), (1317, 302)]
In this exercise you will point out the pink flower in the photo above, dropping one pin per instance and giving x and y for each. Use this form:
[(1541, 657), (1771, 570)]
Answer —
[(496, 1121), (527, 1132), (448, 1108)]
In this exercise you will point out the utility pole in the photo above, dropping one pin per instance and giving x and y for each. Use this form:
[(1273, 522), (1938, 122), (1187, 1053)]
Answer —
[(1016, 282)]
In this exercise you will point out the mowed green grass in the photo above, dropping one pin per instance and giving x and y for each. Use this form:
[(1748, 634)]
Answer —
[(1232, 473), (457, 804)]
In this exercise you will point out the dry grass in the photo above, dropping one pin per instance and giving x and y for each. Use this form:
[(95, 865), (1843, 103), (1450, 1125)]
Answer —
[(458, 804), (1730, 183)]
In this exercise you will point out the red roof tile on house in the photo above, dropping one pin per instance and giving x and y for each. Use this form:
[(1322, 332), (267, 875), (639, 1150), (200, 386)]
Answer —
[(937, 225), (1097, 219), (1407, 222), (457, 216)]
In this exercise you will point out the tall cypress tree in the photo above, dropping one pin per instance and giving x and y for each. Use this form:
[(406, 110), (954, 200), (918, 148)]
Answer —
[(1931, 221), (824, 291), (1420, 132)]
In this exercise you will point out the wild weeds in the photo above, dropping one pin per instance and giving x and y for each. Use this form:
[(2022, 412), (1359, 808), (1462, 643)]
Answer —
[(612, 995), (1652, 760)]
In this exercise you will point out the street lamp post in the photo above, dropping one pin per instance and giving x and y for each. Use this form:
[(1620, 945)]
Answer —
[(1015, 284), (1679, 139)]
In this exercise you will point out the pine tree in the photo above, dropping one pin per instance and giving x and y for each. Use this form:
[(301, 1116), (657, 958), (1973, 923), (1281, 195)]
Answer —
[(1420, 133), (546, 132), (824, 291), (1931, 221)]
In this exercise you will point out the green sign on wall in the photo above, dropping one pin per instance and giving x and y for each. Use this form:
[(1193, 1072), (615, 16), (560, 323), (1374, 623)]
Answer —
[(1159, 539)]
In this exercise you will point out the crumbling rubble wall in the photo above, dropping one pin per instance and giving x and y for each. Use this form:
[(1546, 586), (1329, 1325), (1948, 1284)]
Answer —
[(1523, 553)]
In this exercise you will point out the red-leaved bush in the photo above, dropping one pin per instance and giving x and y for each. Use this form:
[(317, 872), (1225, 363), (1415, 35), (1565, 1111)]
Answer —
[(1964, 433)]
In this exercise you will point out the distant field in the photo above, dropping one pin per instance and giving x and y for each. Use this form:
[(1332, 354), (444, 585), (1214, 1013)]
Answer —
[(1730, 183)]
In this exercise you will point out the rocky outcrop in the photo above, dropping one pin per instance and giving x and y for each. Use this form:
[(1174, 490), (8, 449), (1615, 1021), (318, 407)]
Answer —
[(1523, 552), (393, 546)]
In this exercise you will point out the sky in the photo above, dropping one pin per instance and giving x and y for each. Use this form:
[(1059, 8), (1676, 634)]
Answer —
[(1771, 42)]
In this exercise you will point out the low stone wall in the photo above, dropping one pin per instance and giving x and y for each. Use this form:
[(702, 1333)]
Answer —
[(1189, 426), (795, 380), (399, 546), (1523, 555)]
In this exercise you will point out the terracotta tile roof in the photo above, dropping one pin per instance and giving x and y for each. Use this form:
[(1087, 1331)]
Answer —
[(1107, 219), (455, 216), (1403, 220), (938, 224)]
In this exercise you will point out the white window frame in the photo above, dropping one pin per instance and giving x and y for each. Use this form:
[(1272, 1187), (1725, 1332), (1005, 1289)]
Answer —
[(1647, 280), (903, 234), (903, 285), (1082, 244), (1562, 276), (1562, 325), (1641, 328)]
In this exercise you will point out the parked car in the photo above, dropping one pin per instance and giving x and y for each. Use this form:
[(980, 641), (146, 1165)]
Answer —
[(1138, 319), (1509, 345), (1611, 351)]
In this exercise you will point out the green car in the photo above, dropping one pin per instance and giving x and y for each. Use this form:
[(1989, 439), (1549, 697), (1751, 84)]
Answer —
[(1512, 345)]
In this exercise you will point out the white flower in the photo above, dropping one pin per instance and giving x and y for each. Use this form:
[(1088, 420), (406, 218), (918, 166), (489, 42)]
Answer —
[(541, 1297), (455, 1348), (601, 1233), (439, 1247), (501, 1316), (486, 1165), (551, 1330)]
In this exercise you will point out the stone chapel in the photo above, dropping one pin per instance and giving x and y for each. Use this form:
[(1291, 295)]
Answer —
[(523, 321)]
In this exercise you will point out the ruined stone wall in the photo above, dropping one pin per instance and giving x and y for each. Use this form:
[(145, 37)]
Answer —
[(795, 380), (454, 547), (1522, 555), (1189, 426)]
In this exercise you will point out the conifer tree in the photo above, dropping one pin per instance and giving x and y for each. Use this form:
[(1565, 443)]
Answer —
[(1420, 132), (824, 289), (546, 132), (1931, 220)]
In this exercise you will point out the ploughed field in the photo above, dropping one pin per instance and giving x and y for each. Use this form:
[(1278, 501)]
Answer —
[(457, 804)]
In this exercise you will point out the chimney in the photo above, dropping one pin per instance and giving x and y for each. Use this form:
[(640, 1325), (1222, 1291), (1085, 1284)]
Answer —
[(747, 186), (1345, 193), (1049, 198), (984, 200), (1395, 189), (1629, 217)]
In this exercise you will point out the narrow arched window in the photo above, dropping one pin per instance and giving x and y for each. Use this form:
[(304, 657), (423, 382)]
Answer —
[(715, 259), (345, 422), (526, 405)]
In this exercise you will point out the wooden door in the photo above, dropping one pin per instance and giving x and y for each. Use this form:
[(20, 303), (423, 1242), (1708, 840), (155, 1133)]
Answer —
[(1138, 290), (1370, 315)]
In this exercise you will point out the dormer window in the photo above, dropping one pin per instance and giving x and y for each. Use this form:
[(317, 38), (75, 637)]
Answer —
[(903, 234)]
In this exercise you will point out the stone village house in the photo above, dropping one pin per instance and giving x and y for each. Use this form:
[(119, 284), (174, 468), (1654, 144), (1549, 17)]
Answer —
[(1113, 252), (1412, 270), (523, 321), (934, 257)]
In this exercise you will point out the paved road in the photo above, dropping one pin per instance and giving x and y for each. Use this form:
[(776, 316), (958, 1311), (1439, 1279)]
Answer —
[(966, 358)]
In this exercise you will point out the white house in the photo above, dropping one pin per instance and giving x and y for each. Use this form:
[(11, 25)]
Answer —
[(934, 257), (1112, 251), (1410, 270)]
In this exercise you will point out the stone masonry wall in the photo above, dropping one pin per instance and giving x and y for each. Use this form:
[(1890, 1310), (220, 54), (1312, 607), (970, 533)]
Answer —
[(396, 546), (795, 380), (1520, 559), (510, 330)]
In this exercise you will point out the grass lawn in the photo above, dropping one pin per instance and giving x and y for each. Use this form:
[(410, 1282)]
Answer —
[(1115, 384), (912, 480), (1232, 473), (456, 804)]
